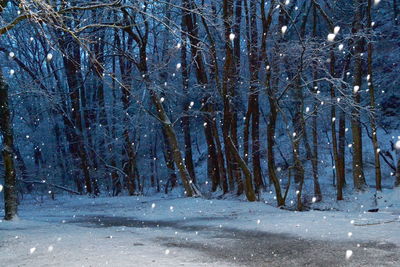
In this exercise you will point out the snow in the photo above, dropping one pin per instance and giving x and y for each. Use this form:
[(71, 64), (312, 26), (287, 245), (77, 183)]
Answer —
[(284, 29), (397, 145), (331, 37), (349, 253), (45, 236), (101, 231)]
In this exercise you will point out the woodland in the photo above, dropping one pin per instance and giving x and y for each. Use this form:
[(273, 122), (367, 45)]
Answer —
[(297, 99)]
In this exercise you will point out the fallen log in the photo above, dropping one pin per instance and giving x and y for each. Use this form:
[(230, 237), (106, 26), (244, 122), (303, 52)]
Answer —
[(50, 184)]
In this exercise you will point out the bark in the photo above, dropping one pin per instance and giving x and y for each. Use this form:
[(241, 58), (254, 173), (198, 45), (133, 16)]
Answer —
[(10, 190), (273, 114), (214, 76), (247, 173), (299, 130), (141, 40), (115, 179), (358, 172), (253, 112), (98, 62), (169, 162), (333, 118), (228, 85), (72, 65), (342, 137), (375, 144), (201, 76), (314, 160), (163, 77), (126, 87), (186, 118), (342, 154)]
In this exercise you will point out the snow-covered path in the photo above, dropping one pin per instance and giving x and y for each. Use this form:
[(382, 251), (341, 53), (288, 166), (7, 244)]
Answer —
[(143, 231)]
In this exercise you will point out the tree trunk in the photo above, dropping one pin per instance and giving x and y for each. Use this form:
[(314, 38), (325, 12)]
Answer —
[(228, 85), (72, 64), (192, 27), (358, 172), (10, 191), (397, 182), (314, 160), (273, 114), (253, 112), (126, 87), (375, 144), (186, 118)]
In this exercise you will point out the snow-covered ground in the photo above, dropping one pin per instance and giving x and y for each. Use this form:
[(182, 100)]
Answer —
[(166, 231)]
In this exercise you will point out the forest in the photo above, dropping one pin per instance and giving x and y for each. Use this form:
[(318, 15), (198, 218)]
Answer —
[(290, 103), (120, 96)]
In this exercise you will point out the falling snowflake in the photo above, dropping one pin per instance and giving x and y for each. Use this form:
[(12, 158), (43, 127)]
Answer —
[(349, 253), (331, 37), (397, 145), (284, 29)]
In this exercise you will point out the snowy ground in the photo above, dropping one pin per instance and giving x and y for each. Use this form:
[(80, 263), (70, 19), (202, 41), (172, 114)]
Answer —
[(159, 231)]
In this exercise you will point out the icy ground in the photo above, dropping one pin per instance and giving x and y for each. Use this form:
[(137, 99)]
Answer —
[(160, 231)]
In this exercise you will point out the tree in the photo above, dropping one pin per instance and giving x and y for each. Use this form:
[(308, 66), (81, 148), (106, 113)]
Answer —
[(358, 172), (10, 190), (378, 174)]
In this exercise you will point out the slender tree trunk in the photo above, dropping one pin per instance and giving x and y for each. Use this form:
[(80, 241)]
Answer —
[(342, 152), (253, 112), (273, 114), (234, 23), (115, 179), (358, 172), (375, 144), (201, 75), (229, 121), (214, 76), (190, 188), (72, 63), (186, 106), (169, 162), (342, 137), (251, 196), (314, 160), (126, 87), (338, 171)]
